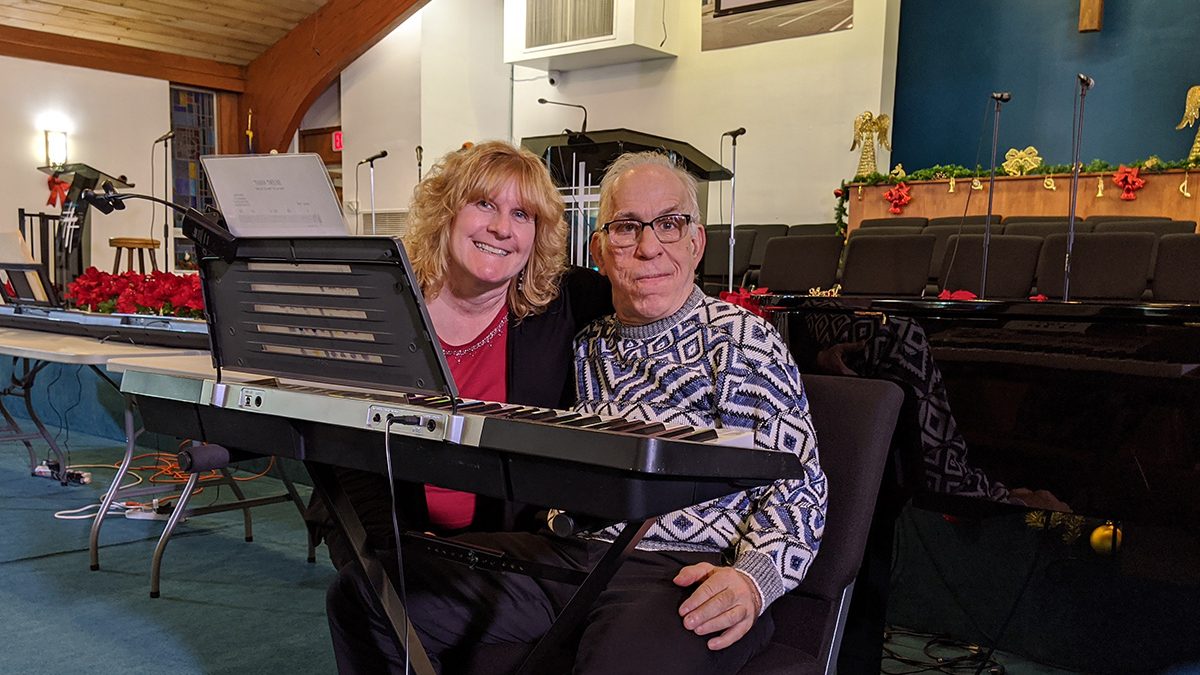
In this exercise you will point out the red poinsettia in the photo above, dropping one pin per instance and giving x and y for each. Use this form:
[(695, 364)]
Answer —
[(745, 299), (1127, 179), (899, 197), (159, 293)]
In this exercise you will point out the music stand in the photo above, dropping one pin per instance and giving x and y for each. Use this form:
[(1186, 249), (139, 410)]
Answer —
[(27, 284), (341, 310)]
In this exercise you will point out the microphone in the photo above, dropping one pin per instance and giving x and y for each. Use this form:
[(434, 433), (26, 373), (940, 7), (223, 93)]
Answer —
[(379, 155), (1086, 81), (167, 136), (735, 133), (105, 203), (583, 129), (1001, 96), (420, 151)]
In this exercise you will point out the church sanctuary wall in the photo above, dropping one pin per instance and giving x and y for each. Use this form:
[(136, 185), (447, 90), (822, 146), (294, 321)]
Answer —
[(797, 99), (111, 120), (381, 110), (953, 54)]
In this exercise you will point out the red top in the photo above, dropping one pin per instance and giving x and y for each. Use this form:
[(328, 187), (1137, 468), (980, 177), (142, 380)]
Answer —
[(479, 368)]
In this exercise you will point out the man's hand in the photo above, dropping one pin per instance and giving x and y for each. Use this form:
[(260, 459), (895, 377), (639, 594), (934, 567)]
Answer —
[(832, 359), (726, 602)]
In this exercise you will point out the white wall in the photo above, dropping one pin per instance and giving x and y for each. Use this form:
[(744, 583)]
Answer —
[(465, 90), (381, 110), (112, 121), (797, 99), (326, 111)]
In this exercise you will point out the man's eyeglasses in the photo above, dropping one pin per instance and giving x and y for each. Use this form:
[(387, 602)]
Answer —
[(668, 228)]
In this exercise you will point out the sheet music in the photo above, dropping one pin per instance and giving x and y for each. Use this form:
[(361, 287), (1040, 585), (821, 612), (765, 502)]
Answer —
[(275, 195)]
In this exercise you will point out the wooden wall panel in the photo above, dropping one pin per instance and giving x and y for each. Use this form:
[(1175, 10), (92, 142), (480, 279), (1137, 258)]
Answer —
[(1026, 196), (283, 82), (71, 51)]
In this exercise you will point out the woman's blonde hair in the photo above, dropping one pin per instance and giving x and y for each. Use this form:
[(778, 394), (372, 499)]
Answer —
[(481, 172)]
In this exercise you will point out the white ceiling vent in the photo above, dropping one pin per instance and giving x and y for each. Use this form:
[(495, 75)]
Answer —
[(572, 34)]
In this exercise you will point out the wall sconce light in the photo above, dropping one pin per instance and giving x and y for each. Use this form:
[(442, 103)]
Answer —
[(56, 148)]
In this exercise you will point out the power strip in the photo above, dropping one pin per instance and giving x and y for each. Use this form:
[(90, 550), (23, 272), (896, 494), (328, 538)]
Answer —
[(50, 470), (147, 513)]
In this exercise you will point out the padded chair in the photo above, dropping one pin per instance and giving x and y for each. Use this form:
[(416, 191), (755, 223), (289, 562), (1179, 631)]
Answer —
[(943, 233), (1175, 271), (1012, 263), (1036, 219), (894, 222), (1107, 266), (1156, 226), (766, 232), (974, 219), (796, 264), (883, 231), (854, 418), (812, 228), (1045, 228), (895, 265), (714, 267), (1107, 218)]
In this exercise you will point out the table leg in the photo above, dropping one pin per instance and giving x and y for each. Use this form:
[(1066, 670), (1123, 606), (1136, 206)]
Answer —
[(25, 385), (176, 514), (130, 439)]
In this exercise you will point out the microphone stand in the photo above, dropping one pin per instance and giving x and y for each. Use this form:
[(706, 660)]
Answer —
[(987, 222), (371, 172), (1085, 83), (732, 206), (166, 211)]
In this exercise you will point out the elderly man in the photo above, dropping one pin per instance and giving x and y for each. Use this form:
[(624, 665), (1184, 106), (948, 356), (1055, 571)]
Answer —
[(692, 598)]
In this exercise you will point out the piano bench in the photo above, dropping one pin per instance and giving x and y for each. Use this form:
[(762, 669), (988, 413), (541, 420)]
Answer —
[(131, 244)]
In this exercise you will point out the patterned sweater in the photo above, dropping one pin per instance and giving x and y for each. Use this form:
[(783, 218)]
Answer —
[(713, 364)]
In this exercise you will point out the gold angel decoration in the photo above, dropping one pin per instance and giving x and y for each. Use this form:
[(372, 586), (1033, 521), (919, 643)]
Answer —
[(868, 130), (1191, 112)]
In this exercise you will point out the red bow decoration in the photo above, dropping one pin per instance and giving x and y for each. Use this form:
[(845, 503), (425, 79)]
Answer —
[(898, 196), (957, 295), (1127, 179), (745, 299), (1038, 298), (58, 190)]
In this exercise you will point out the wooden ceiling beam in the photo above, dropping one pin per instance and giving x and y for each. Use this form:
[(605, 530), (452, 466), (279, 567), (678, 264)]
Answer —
[(283, 82), (72, 51)]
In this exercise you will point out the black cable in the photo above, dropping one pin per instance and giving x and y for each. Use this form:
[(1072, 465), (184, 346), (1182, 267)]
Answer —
[(1037, 551), (944, 578), (66, 425), (387, 453), (967, 206)]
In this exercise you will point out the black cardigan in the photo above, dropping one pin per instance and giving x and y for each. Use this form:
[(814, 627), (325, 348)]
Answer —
[(540, 372)]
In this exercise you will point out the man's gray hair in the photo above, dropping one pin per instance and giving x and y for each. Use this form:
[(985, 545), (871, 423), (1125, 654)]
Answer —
[(632, 160)]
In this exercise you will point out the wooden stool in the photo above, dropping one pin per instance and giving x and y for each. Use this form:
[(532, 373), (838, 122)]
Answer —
[(130, 244)]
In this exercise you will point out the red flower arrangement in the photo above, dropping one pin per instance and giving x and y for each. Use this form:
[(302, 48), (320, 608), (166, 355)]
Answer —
[(899, 197), (158, 293)]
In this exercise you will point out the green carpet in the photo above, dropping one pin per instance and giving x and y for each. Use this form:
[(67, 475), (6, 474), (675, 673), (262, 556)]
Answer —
[(227, 606)]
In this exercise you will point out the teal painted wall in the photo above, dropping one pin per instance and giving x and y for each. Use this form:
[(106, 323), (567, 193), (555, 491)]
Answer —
[(953, 54), (71, 399)]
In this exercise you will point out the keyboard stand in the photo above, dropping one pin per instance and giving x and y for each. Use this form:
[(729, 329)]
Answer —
[(550, 647)]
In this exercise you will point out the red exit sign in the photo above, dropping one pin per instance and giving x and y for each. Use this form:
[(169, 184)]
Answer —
[(337, 141)]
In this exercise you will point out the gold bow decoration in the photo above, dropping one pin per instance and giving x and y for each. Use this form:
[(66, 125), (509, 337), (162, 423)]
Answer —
[(1019, 162)]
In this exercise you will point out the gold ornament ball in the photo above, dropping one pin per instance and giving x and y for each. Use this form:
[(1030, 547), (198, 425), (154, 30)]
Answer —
[(1102, 539)]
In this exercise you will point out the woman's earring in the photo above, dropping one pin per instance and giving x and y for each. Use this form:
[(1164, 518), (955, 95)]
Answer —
[(521, 281)]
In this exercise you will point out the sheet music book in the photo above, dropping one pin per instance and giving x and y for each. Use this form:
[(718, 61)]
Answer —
[(284, 195)]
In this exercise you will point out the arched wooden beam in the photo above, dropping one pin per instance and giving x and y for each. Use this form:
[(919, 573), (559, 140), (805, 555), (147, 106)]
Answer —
[(283, 82)]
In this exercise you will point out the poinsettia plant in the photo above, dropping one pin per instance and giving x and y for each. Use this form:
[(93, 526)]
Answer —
[(160, 293)]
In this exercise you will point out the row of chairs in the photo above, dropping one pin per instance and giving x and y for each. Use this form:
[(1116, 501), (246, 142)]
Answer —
[(1111, 266), (750, 245), (942, 232), (979, 219)]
